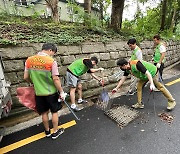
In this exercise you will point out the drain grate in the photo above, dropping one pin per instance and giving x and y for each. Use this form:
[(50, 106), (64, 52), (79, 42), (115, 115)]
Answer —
[(122, 115)]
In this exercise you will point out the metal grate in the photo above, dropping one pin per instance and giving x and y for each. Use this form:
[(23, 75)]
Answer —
[(122, 115)]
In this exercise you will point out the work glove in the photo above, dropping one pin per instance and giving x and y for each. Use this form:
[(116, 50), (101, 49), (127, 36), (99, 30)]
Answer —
[(158, 65), (114, 90), (101, 69), (63, 95), (152, 87)]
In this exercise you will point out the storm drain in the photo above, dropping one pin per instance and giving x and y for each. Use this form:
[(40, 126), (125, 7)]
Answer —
[(122, 115)]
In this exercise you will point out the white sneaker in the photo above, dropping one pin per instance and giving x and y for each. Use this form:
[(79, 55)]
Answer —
[(138, 106), (80, 101), (171, 105), (156, 90)]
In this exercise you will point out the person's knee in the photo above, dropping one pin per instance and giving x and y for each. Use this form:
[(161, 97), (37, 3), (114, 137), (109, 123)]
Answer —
[(72, 90), (80, 86), (160, 87)]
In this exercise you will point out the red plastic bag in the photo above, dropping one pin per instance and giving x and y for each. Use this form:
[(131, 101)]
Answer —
[(26, 96)]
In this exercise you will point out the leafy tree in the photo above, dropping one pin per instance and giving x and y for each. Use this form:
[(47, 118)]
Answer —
[(102, 5)]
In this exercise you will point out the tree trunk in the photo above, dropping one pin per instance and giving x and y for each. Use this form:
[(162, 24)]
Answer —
[(87, 10), (173, 19), (53, 4), (87, 6), (163, 16), (101, 11), (116, 15)]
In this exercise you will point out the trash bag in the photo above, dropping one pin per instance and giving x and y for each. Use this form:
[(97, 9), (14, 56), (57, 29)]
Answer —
[(103, 101), (26, 96)]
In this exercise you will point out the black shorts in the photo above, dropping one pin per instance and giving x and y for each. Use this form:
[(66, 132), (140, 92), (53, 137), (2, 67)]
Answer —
[(45, 103)]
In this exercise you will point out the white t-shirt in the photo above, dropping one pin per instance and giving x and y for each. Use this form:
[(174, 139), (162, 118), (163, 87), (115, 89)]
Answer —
[(139, 54), (162, 48)]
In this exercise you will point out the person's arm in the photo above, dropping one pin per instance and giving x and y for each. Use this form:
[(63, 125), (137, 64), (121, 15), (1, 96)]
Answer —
[(142, 69), (95, 77), (56, 80), (163, 53), (93, 70), (88, 63), (26, 77), (152, 87), (162, 57), (123, 79), (57, 83), (139, 55)]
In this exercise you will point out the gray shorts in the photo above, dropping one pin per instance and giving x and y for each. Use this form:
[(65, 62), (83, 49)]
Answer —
[(72, 80)]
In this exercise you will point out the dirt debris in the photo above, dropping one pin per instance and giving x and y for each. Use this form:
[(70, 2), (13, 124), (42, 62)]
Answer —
[(166, 117)]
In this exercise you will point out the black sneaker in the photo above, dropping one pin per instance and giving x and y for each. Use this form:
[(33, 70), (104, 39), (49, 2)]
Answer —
[(48, 133), (57, 133), (130, 93)]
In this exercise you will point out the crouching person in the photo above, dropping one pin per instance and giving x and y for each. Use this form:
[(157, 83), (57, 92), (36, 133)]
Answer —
[(144, 71), (41, 70), (73, 74)]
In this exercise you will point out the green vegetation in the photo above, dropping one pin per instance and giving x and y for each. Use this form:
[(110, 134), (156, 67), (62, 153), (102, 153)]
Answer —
[(145, 27), (15, 30), (18, 29)]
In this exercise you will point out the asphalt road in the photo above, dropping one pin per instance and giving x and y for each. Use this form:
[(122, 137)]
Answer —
[(96, 133)]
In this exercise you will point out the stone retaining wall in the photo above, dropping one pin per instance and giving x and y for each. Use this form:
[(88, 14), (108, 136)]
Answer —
[(108, 54)]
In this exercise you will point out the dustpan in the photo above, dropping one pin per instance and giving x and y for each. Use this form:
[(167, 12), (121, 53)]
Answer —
[(103, 102)]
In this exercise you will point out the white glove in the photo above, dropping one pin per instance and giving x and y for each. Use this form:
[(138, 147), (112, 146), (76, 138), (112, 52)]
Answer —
[(152, 87), (101, 69), (158, 65), (63, 95)]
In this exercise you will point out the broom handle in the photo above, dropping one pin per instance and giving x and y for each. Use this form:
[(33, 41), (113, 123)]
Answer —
[(102, 73), (71, 110)]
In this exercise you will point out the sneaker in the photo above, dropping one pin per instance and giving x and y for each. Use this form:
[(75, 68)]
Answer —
[(130, 93), (48, 133), (156, 90), (80, 101), (171, 105), (138, 106), (76, 109), (57, 133)]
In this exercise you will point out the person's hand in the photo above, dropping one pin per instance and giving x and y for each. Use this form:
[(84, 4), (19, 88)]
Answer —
[(63, 95), (152, 87), (102, 82), (101, 69), (114, 90), (158, 65)]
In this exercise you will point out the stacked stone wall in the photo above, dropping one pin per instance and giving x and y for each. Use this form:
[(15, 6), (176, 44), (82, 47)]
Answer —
[(108, 53)]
